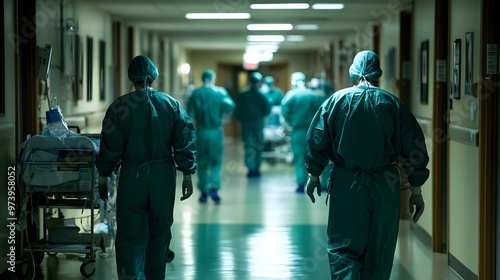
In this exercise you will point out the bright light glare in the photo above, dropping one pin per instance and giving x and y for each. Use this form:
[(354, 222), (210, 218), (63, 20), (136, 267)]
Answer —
[(306, 27), (217, 15), (265, 38), (185, 68), (295, 38), (269, 48), (284, 6), (276, 26), (325, 6)]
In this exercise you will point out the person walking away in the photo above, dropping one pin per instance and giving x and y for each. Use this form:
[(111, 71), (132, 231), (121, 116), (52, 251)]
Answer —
[(208, 106), (252, 107), (150, 135), (365, 131), (298, 108)]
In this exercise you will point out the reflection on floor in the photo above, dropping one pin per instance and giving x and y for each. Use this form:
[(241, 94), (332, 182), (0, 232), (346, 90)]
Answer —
[(261, 230)]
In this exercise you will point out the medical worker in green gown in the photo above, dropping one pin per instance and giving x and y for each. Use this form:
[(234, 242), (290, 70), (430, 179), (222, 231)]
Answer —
[(151, 136), (365, 131), (252, 108), (298, 108), (209, 106)]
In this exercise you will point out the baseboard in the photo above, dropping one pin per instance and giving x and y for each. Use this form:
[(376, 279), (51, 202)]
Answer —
[(422, 235), (460, 269)]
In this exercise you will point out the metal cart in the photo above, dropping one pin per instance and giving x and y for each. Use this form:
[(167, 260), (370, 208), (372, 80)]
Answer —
[(59, 173)]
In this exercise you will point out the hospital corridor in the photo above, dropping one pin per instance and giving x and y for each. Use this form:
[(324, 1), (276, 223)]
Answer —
[(187, 140), (261, 230)]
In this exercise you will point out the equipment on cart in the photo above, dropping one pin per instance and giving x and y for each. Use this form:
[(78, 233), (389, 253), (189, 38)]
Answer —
[(60, 173), (276, 138)]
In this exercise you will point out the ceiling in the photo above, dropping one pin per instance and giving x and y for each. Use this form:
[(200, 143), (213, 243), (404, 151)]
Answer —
[(168, 17)]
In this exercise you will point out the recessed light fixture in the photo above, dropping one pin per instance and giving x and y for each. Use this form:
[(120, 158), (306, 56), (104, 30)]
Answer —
[(306, 27), (277, 26), (265, 38), (328, 6), (295, 38), (217, 15), (280, 6), (268, 48)]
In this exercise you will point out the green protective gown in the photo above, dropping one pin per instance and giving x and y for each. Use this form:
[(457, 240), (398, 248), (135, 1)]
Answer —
[(298, 108), (252, 107), (151, 136), (274, 95), (208, 106), (363, 130)]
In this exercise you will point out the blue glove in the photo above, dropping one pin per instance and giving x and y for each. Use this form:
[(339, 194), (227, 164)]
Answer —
[(416, 203), (313, 183), (187, 187)]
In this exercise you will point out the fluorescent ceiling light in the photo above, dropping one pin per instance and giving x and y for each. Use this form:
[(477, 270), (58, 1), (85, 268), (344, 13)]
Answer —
[(277, 26), (283, 6), (306, 27), (266, 38), (217, 15), (262, 48), (295, 38), (328, 6)]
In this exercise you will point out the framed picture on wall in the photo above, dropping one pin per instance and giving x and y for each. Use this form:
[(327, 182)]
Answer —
[(455, 82), (424, 72), (90, 66), (102, 70), (469, 60)]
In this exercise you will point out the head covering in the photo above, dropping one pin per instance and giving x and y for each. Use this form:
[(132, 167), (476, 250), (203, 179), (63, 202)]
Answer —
[(141, 69), (365, 66), (269, 80), (255, 78), (298, 76), (207, 75)]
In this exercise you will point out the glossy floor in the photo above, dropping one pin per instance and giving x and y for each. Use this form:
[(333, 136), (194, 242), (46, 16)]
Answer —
[(261, 230)]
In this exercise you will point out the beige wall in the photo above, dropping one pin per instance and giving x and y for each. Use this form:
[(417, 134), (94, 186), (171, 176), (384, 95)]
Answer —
[(464, 161), (423, 29), (389, 40)]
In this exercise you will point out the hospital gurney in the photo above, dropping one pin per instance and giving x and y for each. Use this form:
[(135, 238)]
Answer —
[(276, 138), (59, 173)]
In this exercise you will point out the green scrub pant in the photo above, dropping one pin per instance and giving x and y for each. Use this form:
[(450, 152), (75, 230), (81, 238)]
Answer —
[(363, 225), (297, 140), (252, 134), (144, 214), (210, 147)]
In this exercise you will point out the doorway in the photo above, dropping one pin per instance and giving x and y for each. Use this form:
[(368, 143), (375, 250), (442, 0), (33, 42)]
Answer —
[(234, 78)]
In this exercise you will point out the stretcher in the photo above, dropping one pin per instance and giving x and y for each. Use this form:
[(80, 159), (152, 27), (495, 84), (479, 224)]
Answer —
[(59, 173), (276, 138)]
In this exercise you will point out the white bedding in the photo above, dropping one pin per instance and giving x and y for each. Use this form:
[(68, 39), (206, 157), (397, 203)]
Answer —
[(42, 165)]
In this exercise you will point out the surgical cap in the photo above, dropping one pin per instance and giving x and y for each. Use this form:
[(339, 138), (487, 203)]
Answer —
[(269, 80), (298, 76), (141, 68), (367, 65), (207, 75), (255, 77)]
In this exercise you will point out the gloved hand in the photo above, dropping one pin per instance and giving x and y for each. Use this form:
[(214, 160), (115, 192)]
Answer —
[(187, 187), (103, 188), (313, 183), (416, 201)]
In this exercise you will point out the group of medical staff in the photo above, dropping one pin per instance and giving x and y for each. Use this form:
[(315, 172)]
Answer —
[(361, 135)]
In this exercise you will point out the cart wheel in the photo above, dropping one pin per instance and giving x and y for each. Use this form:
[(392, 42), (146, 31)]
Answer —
[(87, 269), (51, 253)]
